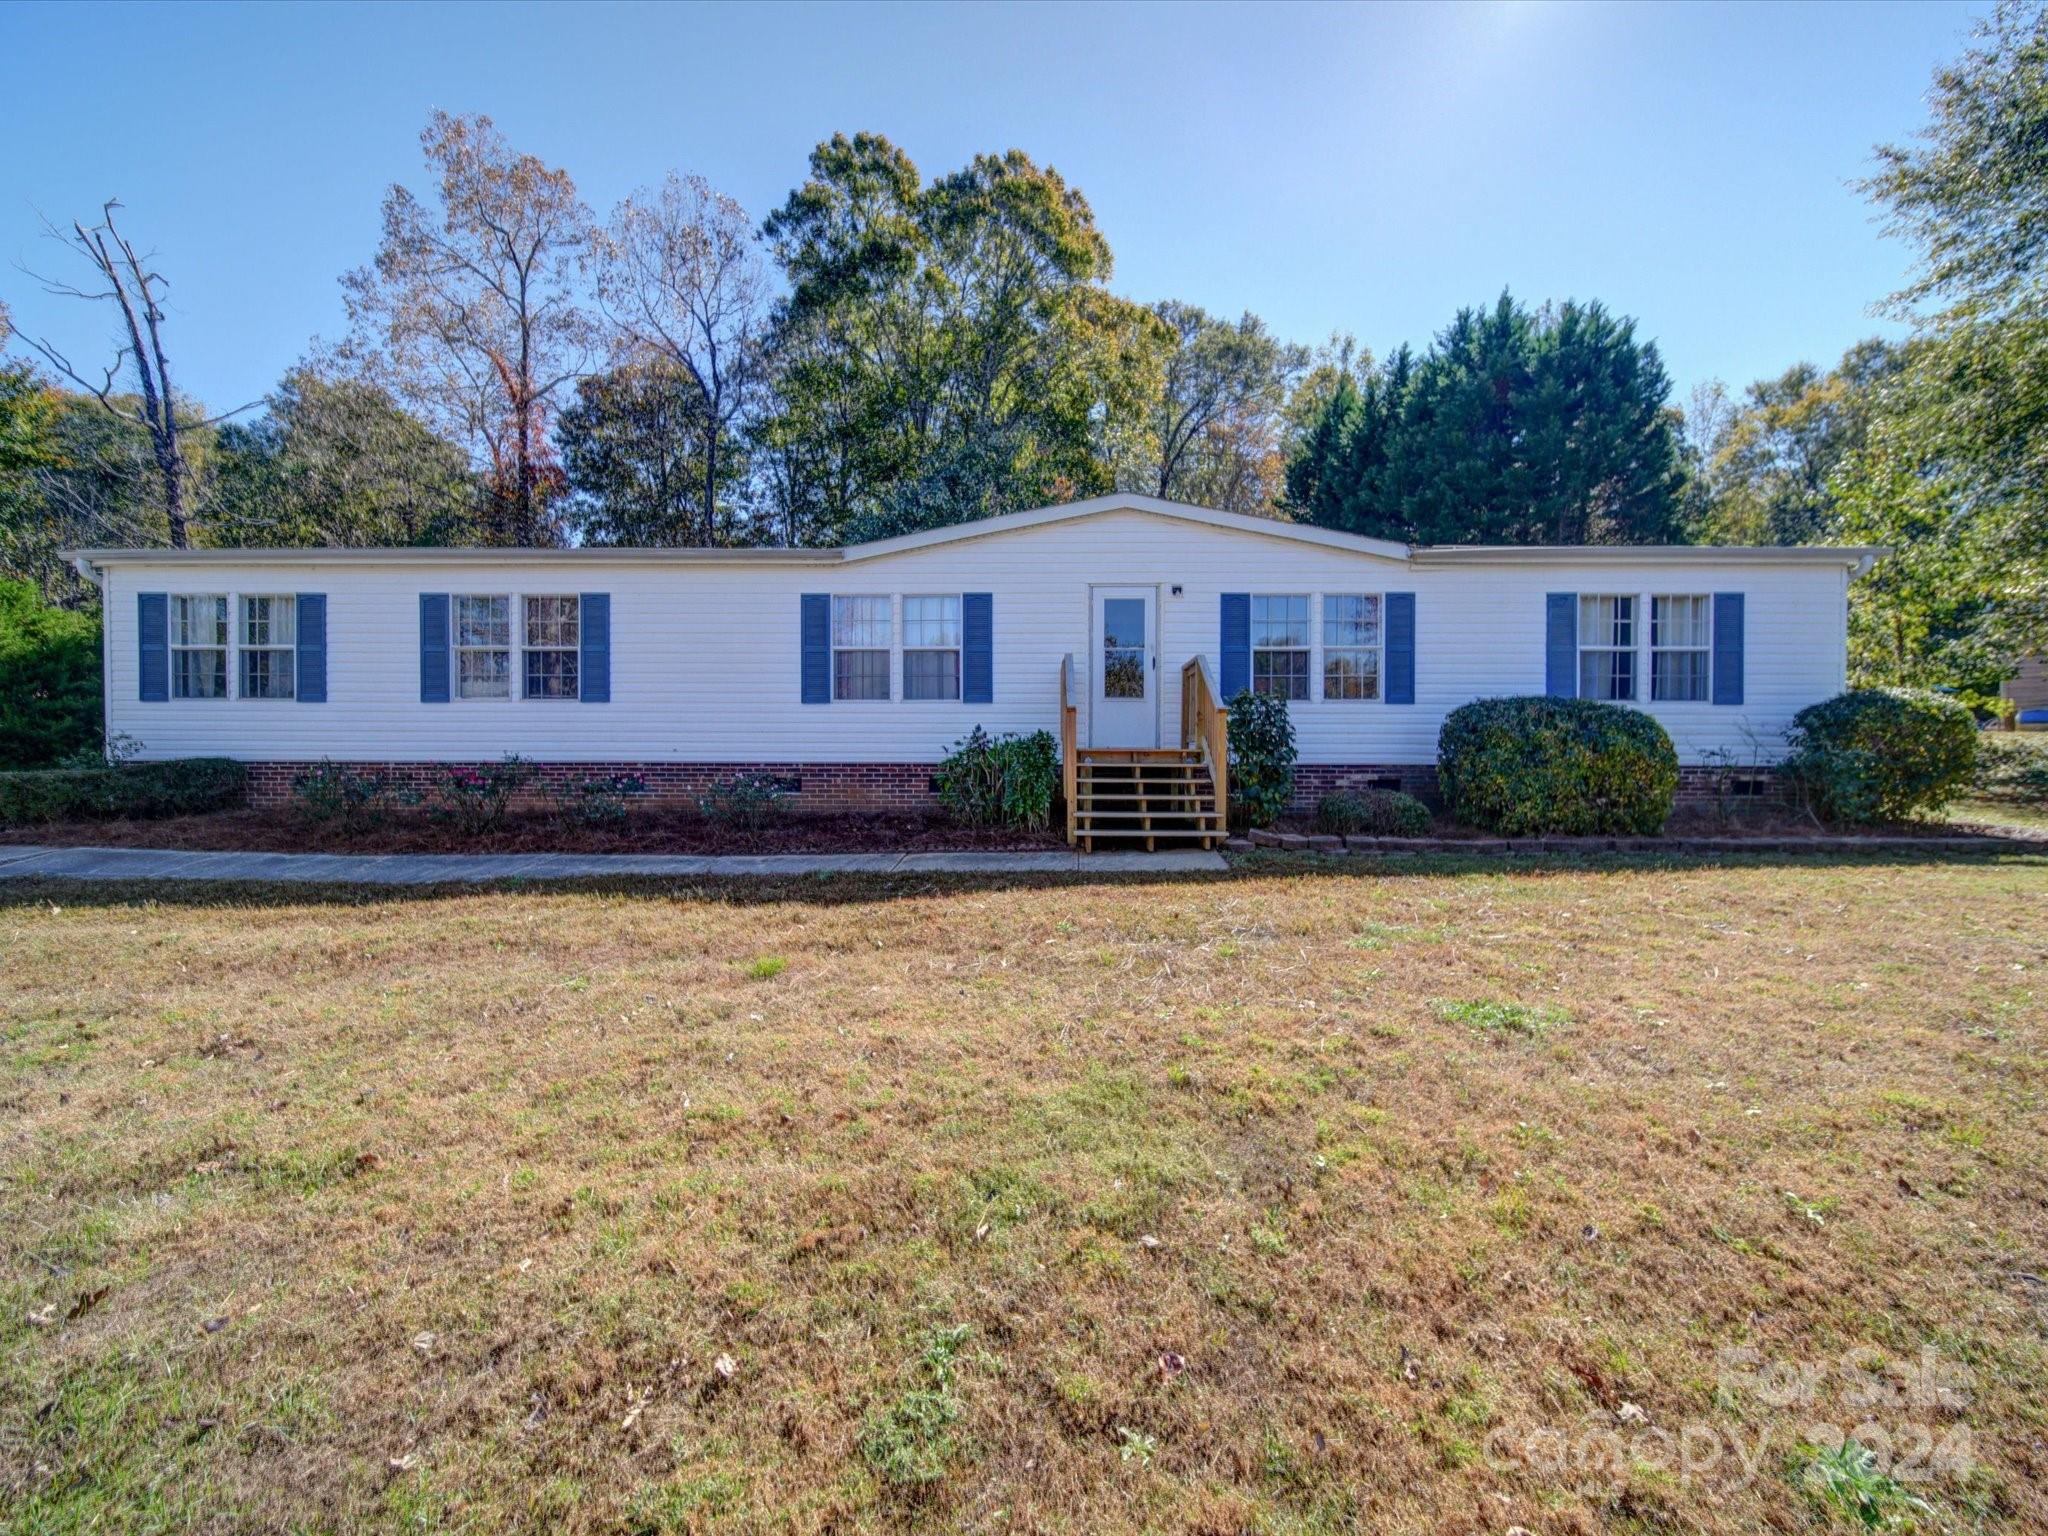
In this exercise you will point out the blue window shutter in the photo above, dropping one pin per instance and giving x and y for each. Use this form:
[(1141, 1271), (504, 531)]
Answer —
[(433, 647), (1561, 646), (977, 648), (594, 670), (1237, 645), (312, 663), (814, 633), (1400, 648), (1727, 647), (153, 645)]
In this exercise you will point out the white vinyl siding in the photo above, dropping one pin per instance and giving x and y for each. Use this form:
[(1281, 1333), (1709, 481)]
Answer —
[(702, 673)]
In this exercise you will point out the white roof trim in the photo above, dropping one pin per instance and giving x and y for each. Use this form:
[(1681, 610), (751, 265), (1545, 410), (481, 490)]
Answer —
[(1859, 558), (1236, 522)]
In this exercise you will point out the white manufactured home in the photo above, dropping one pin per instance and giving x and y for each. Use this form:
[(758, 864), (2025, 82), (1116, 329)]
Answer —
[(1116, 623)]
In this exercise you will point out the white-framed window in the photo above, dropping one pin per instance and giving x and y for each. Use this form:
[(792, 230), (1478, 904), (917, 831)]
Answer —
[(554, 637), (1681, 648), (1352, 640), (860, 647), (931, 647), (1280, 648), (199, 645), (269, 636), (483, 647), (1607, 647)]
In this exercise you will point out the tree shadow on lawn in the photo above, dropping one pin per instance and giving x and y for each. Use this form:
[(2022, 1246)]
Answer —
[(844, 889)]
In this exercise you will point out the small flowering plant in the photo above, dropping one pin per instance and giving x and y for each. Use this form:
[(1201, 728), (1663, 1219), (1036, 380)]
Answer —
[(596, 801), (474, 799)]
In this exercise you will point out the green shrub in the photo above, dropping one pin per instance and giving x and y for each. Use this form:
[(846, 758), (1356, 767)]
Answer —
[(348, 797), (1881, 754), (595, 801), (1381, 812), (1008, 780), (49, 680), (1575, 766), (1261, 758), (185, 786), (2012, 766), (474, 800), (748, 801)]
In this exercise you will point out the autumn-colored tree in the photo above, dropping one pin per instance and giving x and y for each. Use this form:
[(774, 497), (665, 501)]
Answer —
[(683, 285), (472, 313)]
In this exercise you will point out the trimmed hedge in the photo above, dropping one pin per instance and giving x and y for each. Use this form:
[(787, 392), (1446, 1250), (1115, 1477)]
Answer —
[(1571, 766), (1377, 812), (1881, 754), (181, 787)]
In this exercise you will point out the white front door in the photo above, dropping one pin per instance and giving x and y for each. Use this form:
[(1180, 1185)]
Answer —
[(1123, 706)]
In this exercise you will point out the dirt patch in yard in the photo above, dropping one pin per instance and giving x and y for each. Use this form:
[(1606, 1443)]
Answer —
[(646, 829)]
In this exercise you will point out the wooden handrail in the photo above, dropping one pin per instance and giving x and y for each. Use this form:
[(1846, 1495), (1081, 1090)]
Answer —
[(1203, 724), (1070, 745)]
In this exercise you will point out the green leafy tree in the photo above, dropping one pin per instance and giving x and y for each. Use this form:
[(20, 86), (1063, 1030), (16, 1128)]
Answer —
[(1214, 433), (336, 461), (931, 326), (1767, 466), (1548, 427), (49, 679), (1516, 427), (98, 485), (633, 448), (1954, 472)]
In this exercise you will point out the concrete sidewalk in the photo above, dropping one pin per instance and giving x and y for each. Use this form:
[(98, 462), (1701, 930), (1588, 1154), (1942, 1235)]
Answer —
[(22, 861)]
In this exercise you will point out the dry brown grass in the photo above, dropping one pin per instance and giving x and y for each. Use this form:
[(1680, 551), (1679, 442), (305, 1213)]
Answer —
[(437, 1212)]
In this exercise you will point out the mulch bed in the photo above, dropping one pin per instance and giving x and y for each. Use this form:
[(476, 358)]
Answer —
[(1761, 824), (648, 829)]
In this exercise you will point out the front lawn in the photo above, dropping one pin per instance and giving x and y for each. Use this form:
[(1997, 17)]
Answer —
[(1437, 1199)]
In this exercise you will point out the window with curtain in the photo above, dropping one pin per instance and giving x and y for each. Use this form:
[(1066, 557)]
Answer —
[(1607, 648), (931, 647), (860, 647), (483, 647), (1681, 648), (554, 627), (199, 646), (270, 636)]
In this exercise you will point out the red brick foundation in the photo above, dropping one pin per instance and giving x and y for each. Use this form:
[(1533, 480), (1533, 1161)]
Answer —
[(907, 786), (817, 786), (1696, 784)]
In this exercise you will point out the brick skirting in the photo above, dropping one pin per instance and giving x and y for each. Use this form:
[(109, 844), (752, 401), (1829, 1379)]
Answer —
[(903, 786), (817, 786)]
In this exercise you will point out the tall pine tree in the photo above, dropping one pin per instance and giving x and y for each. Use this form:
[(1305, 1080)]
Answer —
[(1517, 427)]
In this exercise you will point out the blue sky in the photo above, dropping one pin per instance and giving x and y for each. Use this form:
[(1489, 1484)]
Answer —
[(1364, 168)]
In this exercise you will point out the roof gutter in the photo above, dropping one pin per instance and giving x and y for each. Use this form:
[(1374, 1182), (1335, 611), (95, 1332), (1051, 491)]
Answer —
[(1858, 558)]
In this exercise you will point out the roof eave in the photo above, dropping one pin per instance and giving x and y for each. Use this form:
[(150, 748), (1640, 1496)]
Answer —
[(1858, 558)]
